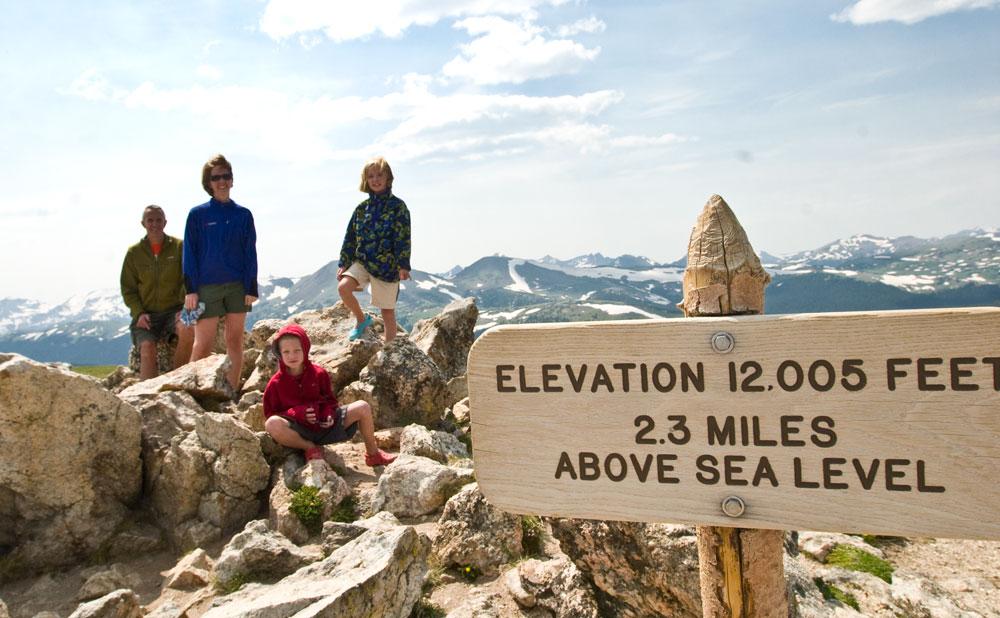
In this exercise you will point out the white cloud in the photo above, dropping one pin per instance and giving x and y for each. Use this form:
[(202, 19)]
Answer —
[(638, 141), (591, 25), (342, 21), (905, 11), (209, 71), (513, 52)]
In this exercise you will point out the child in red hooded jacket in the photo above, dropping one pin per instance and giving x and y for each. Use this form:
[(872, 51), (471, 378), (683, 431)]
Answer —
[(300, 409)]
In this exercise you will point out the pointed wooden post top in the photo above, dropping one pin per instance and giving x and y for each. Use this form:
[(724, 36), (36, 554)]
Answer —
[(723, 274)]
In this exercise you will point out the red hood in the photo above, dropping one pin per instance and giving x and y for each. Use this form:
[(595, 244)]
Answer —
[(298, 331)]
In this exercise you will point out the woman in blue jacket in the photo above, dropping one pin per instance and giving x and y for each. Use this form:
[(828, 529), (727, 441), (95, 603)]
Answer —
[(220, 265)]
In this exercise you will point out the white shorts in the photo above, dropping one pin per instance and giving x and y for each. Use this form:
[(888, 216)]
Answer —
[(384, 293)]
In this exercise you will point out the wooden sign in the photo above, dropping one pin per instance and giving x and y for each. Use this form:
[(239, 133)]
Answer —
[(877, 422)]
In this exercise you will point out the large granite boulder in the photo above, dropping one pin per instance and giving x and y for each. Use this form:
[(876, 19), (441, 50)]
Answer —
[(378, 573), (402, 385), (204, 379), (437, 445), (557, 585), (118, 604), (472, 532), (69, 464), (204, 471), (447, 337), (288, 478), (259, 554), (638, 569), (412, 486)]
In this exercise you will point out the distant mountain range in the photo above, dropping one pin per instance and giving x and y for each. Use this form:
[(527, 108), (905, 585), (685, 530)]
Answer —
[(859, 273)]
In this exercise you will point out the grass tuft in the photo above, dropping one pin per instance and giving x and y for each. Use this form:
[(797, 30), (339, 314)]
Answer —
[(854, 559), (307, 505), (95, 371), (833, 593)]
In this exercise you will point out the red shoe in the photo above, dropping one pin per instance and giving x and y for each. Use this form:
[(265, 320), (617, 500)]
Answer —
[(379, 458), (315, 452)]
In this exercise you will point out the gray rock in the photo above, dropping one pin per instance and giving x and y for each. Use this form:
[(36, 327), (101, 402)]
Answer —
[(107, 581), (191, 573), (286, 480), (258, 554), (447, 337), (204, 379), (403, 386), (412, 486), (117, 604), (557, 585), (461, 412), (62, 499), (381, 571), (3, 610), (458, 389), (639, 569), (437, 445), (472, 532)]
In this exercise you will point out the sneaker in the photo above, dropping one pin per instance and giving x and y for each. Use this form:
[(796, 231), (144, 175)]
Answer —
[(315, 452), (379, 458), (360, 328)]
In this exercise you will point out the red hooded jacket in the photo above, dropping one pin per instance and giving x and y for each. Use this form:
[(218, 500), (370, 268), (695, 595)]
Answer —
[(289, 396)]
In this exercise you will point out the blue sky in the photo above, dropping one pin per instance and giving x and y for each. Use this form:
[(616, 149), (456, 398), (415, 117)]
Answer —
[(521, 127)]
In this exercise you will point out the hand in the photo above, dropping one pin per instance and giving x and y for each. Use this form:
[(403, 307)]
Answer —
[(249, 300), (327, 422), (143, 321), (404, 274), (340, 273), (191, 301), (311, 416)]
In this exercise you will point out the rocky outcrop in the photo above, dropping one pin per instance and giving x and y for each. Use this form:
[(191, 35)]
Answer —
[(204, 471), (402, 385), (261, 555), (412, 486), (447, 337), (384, 568), (472, 532), (69, 464), (557, 585), (106, 581), (290, 477), (437, 445), (637, 569), (205, 380), (191, 573)]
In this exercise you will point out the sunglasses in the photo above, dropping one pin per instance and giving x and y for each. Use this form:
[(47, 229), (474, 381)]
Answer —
[(218, 177)]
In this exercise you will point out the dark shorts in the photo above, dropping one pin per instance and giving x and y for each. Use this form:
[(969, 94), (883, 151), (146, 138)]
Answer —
[(337, 433), (223, 298), (162, 326)]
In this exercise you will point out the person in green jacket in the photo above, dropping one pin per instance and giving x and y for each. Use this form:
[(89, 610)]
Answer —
[(153, 289)]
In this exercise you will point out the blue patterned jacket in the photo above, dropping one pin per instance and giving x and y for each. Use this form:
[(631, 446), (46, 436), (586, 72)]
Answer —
[(378, 236)]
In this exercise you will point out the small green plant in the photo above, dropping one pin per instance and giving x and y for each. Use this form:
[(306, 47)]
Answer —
[(346, 511), (232, 584), (308, 507), (532, 535), (833, 593), (854, 559), (426, 609), (469, 573)]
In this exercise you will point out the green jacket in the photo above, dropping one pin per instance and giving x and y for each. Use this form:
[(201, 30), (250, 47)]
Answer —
[(153, 283)]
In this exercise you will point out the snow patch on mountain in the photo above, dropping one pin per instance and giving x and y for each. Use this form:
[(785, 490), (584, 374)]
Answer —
[(909, 282), (520, 284), (619, 309)]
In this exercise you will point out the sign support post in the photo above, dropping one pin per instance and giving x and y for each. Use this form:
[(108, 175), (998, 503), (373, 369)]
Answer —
[(741, 569)]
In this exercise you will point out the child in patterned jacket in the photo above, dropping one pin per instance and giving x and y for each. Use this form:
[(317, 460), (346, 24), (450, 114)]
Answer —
[(376, 249)]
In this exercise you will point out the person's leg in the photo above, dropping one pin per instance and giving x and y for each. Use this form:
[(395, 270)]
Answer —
[(185, 341), (361, 413), (346, 287), (235, 323), (389, 317), (147, 360), (204, 337), (284, 435)]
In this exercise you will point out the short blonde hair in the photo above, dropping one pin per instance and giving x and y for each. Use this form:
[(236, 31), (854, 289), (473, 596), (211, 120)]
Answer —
[(382, 165), (206, 171)]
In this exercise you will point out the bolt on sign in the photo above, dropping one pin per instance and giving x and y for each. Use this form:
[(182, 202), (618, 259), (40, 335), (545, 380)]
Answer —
[(879, 422)]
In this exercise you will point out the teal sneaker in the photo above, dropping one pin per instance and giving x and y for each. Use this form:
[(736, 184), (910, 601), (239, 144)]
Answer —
[(360, 328)]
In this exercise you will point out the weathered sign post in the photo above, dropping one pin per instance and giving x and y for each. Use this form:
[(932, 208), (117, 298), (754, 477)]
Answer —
[(877, 422), (742, 570)]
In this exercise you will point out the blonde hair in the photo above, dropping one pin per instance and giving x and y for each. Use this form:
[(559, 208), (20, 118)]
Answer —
[(383, 166)]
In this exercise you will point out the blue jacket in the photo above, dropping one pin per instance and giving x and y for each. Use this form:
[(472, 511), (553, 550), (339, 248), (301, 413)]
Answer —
[(220, 246), (378, 236)]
